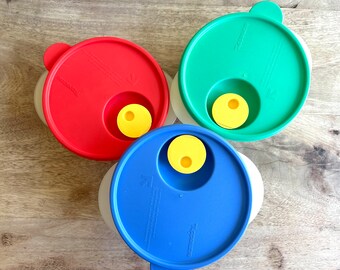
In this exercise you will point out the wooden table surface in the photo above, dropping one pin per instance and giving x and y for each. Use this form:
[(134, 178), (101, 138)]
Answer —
[(49, 218)]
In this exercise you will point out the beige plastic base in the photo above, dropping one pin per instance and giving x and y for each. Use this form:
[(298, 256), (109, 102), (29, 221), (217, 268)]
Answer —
[(38, 96), (177, 104), (171, 118), (104, 198), (256, 186), (255, 181)]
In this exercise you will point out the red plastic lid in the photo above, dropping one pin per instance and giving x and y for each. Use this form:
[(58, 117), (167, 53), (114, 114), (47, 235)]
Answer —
[(87, 86)]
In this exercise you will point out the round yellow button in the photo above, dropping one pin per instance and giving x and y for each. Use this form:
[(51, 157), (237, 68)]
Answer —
[(230, 111), (186, 154), (134, 120)]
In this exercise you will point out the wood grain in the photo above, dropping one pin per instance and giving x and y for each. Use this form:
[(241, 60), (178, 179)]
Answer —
[(49, 217)]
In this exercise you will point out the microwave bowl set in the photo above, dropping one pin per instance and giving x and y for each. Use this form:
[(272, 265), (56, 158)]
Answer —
[(180, 196)]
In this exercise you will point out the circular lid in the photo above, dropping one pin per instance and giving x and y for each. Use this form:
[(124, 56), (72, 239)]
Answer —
[(250, 54), (180, 220), (89, 84)]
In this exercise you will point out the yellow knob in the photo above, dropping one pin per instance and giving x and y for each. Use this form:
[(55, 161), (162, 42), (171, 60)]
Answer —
[(230, 111), (186, 154), (134, 120)]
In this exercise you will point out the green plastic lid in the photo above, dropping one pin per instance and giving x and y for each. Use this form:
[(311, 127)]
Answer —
[(252, 55)]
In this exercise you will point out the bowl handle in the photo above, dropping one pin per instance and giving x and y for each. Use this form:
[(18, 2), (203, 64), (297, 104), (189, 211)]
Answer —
[(53, 52), (268, 9)]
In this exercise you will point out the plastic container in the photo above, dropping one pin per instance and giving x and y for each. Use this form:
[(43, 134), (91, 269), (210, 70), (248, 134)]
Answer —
[(252, 55), (181, 220), (101, 94)]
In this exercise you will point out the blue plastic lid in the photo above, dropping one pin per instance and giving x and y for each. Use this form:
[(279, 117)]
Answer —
[(175, 220)]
